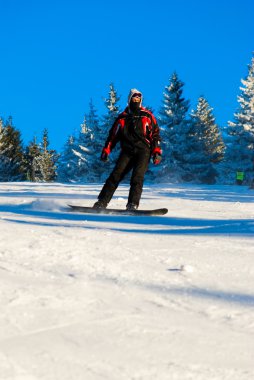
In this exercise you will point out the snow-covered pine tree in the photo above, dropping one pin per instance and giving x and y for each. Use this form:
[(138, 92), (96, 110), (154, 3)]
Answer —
[(98, 136), (40, 161), (240, 141), (47, 160), (84, 153), (204, 145), (11, 153), (173, 123), (32, 159), (112, 106), (80, 158), (68, 162), (213, 141)]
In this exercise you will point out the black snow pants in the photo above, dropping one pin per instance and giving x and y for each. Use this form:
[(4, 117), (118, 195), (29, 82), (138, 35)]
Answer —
[(137, 161)]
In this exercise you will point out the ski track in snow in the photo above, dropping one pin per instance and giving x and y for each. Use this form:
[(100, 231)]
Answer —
[(91, 297)]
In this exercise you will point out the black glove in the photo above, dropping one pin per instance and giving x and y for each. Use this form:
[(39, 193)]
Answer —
[(157, 158), (104, 156)]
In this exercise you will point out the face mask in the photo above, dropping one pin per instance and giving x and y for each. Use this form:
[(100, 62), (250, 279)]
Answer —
[(134, 106)]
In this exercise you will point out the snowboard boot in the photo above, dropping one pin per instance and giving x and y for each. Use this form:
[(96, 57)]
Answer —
[(100, 204), (131, 207)]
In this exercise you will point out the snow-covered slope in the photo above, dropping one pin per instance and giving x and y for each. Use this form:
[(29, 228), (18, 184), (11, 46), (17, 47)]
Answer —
[(91, 297)]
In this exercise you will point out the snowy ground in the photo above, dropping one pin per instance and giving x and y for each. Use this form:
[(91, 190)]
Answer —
[(86, 297)]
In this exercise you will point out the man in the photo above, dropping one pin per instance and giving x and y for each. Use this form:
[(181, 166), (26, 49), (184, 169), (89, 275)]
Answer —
[(138, 133)]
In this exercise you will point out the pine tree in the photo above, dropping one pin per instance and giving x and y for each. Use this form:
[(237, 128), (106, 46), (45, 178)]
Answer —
[(32, 159), (240, 146), (80, 159), (97, 142), (47, 160), (84, 153), (68, 162), (213, 142), (205, 146), (112, 106), (11, 153), (172, 119), (40, 160)]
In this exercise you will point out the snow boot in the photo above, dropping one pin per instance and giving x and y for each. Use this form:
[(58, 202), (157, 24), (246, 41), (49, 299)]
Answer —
[(100, 204), (131, 207)]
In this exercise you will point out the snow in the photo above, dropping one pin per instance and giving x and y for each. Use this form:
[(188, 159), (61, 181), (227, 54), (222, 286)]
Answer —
[(91, 297)]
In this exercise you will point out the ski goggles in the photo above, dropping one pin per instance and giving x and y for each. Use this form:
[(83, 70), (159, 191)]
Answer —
[(136, 95)]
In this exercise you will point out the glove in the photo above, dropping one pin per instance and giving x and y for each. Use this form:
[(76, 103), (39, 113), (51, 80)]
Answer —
[(104, 156), (157, 158)]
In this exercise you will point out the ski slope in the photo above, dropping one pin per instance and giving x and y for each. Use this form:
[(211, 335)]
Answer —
[(103, 297)]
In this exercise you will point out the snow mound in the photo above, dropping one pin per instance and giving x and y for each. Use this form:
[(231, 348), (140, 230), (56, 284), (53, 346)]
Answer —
[(46, 205)]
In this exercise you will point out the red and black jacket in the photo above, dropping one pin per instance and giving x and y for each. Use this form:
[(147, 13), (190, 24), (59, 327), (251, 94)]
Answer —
[(134, 130)]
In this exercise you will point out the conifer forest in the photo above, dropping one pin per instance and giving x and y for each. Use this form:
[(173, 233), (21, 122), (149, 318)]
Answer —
[(195, 148)]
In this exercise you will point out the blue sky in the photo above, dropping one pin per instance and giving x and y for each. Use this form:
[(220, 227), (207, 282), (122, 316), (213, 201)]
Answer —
[(58, 54)]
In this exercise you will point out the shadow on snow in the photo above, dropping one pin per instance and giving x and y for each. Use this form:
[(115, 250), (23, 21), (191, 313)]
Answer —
[(215, 194), (131, 224), (193, 292)]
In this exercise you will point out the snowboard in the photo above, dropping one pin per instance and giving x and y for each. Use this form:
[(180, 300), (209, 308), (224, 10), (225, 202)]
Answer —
[(112, 211)]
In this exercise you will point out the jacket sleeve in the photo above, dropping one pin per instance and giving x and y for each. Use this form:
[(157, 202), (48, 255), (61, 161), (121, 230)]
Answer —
[(156, 139), (113, 137)]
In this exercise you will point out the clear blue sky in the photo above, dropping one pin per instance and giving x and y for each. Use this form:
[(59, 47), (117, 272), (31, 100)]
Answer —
[(58, 54)]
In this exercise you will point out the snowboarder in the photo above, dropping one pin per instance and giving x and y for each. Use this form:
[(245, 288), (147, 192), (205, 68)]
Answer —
[(138, 133)]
